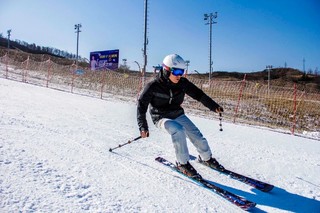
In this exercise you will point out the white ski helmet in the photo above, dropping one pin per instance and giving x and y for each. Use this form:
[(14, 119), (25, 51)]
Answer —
[(174, 61)]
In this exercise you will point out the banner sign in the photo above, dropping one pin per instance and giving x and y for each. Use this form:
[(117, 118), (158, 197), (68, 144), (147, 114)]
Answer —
[(108, 59)]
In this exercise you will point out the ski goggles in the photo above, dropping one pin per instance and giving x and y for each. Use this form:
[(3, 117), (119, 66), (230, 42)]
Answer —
[(175, 71)]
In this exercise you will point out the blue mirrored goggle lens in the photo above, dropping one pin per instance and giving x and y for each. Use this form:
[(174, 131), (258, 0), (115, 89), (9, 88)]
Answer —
[(177, 71)]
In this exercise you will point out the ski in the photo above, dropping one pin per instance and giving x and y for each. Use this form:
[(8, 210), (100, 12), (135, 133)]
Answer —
[(262, 186), (233, 198)]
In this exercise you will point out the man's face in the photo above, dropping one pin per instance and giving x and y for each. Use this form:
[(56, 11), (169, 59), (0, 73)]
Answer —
[(174, 79)]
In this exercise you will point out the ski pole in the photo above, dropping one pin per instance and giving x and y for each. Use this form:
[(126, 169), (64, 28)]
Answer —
[(121, 145), (220, 119)]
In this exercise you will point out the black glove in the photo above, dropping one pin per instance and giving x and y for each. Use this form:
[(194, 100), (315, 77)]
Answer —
[(144, 134), (219, 109)]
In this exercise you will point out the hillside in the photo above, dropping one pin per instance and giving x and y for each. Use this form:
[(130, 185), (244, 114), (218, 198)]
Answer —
[(278, 76), (38, 53), (25, 47)]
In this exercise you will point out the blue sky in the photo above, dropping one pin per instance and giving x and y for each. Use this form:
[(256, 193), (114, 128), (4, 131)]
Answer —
[(249, 34)]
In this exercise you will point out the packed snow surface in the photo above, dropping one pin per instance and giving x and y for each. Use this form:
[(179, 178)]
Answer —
[(54, 158)]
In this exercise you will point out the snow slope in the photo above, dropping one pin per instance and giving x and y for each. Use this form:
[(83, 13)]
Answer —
[(54, 158)]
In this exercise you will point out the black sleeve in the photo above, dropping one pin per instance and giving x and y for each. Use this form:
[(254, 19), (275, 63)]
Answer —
[(143, 103), (197, 94)]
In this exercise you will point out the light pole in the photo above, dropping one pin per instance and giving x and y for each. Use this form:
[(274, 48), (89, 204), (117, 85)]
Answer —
[(145, 43), (197, 72), (269, 67), (77, 28), (304, 66), (209, 18), (138, 65), (9, 34), (199, 75), (187, 64)]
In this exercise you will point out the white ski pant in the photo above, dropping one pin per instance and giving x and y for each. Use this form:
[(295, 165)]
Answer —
[(181, 128)]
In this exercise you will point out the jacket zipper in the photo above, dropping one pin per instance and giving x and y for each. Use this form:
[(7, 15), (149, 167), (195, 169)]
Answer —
[(170, 100)]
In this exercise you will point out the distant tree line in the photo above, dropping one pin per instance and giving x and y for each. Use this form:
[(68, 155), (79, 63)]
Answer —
[(36, 49)]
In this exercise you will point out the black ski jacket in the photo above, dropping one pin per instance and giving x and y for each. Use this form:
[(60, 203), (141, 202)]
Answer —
[(165, 99)]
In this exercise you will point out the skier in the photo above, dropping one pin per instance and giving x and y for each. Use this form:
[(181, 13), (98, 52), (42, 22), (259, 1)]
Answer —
[(165, 94)]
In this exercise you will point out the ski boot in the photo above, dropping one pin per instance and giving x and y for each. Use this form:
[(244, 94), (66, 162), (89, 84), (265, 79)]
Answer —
[(212, 163), (188, 170)]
